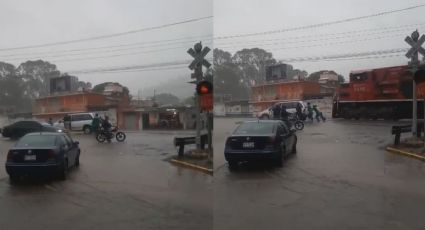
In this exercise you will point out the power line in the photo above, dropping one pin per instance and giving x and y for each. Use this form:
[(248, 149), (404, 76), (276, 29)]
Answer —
[(320, 24), (193, 39), (355, 33), (107, 36), (104, 51), (302, 39), (262, 45), (138, 70)]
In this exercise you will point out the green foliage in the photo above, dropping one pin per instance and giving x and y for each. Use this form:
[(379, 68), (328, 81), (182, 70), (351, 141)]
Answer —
[(189, 101), (233, 74), (167, 99)]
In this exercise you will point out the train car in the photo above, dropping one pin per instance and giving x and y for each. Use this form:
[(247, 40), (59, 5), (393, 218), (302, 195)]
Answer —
[(378, 93)]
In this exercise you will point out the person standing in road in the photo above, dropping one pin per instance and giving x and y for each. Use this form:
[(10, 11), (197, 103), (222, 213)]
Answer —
[(67, 122), (299, 112), (50, 121), (319, 115), (309, 112), (284, 115), (276, 111)]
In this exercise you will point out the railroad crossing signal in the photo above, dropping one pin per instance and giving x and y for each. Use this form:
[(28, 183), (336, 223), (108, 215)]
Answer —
[(416, 43), (204, 87), (199, 54)]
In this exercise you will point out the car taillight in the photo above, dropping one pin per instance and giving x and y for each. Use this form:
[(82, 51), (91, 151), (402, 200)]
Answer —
[(270, 143), (9, 156), (51, 154)]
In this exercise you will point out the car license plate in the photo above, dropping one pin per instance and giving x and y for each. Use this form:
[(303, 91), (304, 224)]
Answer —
[(248, 144), (30, 157)]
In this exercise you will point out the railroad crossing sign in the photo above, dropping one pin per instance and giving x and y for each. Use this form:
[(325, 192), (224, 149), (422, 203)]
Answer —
[(199, 54), (416, 43)]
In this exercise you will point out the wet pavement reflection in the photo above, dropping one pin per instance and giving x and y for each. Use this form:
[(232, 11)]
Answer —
[(126, 185), (341, 178)]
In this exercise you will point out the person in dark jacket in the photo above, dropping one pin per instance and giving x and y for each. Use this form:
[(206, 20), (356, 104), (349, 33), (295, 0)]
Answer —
[(67, 122), (95, 124), (299, 112), (309, 112), (319, 115), (106, 125), (284, 115), (276, 111)]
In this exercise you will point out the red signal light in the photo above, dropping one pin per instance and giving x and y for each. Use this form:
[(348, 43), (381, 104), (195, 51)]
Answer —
[(204, 87)]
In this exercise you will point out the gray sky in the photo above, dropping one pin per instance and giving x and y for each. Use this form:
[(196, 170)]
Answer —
[(251, 16), (33, 22)]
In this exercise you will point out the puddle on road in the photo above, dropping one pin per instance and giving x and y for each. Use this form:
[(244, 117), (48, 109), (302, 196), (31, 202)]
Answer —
[(322, 135)]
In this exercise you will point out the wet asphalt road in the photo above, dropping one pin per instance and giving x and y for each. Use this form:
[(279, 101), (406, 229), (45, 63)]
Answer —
[(117, 186), (341, 178)]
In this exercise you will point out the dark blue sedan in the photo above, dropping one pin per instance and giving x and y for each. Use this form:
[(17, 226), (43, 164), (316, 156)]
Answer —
[(260, 140), (46, 153)]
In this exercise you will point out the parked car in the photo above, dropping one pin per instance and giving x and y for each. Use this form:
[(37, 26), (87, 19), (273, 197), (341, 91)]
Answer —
[(260, 140), (290, 107), (20, 128), (79, 122), (43, 153)]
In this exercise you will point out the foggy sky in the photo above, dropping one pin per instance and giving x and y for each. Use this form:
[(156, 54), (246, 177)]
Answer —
[(250, 16), (33, 22)]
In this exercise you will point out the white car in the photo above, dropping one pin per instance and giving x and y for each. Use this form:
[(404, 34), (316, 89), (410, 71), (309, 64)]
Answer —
[(79, 122), (290, 108)]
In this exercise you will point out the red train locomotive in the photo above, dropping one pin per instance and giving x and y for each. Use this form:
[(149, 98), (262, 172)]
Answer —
[(378, 93)]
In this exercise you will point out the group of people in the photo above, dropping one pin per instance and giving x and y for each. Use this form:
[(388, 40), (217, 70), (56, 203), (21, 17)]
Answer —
[(279, 112), (98, 123), (318, 115)]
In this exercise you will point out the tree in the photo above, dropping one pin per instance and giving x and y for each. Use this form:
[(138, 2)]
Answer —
[(167, 99), (189, 101), (37, 75), (227, 76), (6, 69), (252, 63), (220, 57)]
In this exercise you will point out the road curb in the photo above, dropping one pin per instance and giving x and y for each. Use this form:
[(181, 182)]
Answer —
[(405, 153), (193, 166)]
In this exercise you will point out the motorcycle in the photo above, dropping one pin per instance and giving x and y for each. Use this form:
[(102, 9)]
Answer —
[(296, 122), (104, 135)]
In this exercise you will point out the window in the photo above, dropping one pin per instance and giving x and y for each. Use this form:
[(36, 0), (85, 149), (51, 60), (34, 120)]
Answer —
[(37, 141), (256, 128), (27, 124), (86, 117), (81, 117)]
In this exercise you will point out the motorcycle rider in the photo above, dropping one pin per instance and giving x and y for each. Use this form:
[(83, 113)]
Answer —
[(106, 125), (95, 124)]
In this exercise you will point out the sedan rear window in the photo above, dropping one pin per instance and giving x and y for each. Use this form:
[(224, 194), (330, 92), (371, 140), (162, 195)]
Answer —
[(37, 141), (255, 128)]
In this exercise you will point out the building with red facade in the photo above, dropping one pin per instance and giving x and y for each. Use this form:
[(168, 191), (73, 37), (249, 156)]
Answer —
[(267, 94)]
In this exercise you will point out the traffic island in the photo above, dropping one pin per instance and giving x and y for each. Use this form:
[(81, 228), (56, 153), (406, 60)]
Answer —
[(195, 159), (411, 147)]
